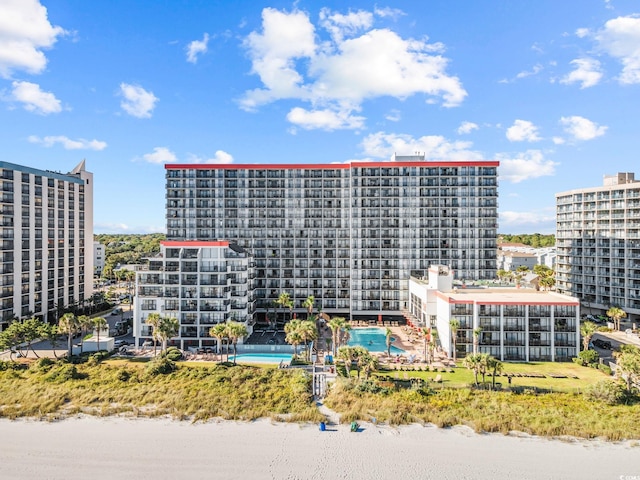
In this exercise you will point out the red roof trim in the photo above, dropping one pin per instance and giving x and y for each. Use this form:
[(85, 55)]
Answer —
[(254, 166), (569, 304), (325, 166), (193, 243)]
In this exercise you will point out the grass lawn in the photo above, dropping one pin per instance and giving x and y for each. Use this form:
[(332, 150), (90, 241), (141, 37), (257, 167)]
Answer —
[(462, 377)]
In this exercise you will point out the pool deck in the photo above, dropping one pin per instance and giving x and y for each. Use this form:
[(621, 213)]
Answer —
[(409, 340)]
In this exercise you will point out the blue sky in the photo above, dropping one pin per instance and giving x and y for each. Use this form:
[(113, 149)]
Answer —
[(549, 88)]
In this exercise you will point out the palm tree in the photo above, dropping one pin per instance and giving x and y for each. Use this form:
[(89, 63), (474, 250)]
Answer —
[(476, 338), (292, 329), (308, 332), (84, 323), (344, 333), (236, 330), (432, 344), (99, 323), (616, 314), (502, 275), (628, 365), (308, 304), (68, 324), (284, 300), (474, 361), (587, 329), (496, 367), (219, 332), (153, 320), (366, 361), (387, 335), (168, 328), (547, 283), (347, 355), (336, 324), (454, 325)]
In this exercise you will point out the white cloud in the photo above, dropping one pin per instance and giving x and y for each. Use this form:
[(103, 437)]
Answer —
[(160, 155), (434, 147), (582, 32), (558, 140), (69, 144), (587, 73), (538, 221), (34, 99), (620, 38), (467, 127), (357, 63), (24, 32), (393, 115), (137, 101), (197, 47), (534, 71), (393, 13), (220, 157), (524, 166), (340, 26), (523, 130), (124, 228), (326, 119), (582, 128)]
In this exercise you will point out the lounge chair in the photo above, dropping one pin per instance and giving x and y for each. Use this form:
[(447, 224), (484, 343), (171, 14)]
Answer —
[(438, 378)]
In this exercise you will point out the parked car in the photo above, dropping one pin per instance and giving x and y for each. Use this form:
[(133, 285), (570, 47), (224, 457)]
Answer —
[(604, 344), (120, 343)]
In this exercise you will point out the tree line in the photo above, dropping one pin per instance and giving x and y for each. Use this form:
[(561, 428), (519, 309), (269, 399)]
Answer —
[(535, 240), (125, 249)]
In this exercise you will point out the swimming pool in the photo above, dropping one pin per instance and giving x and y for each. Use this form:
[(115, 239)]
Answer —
[(261, 358), (373, 339)]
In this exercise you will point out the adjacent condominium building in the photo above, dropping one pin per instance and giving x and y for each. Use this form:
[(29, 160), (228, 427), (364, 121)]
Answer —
[(199, 283), (99, 257), (598, 244), (47, 238), (348, 234), (511, 324)]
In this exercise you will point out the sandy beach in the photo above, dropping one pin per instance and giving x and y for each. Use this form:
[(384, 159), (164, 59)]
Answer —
[(115, 447)]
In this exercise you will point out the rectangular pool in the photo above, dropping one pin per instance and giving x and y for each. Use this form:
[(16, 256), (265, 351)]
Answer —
[(373, 339), (262, 358)]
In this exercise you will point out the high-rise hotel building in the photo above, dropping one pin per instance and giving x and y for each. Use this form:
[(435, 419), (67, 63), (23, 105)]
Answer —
[(348, 234), (47, 240), (598, 244)]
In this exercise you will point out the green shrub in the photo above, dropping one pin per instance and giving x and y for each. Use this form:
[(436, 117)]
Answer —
[(173, 354), (43, 364), (605, 368), (372, 386), (341, 370), (587, 357), (610, 392), (161, 366), (123, 375), (64, 373), (9, 365)]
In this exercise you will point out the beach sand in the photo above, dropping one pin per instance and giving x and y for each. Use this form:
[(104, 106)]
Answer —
[(115, 447)]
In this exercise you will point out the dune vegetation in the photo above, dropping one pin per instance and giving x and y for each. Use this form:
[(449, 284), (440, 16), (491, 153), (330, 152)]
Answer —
[(50, 390)]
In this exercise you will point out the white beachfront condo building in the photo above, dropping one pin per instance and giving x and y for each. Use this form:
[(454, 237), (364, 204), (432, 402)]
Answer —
[(515, 324), (200, 283), (99, 257), (348, 234), (47, 236), (598, 244)]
